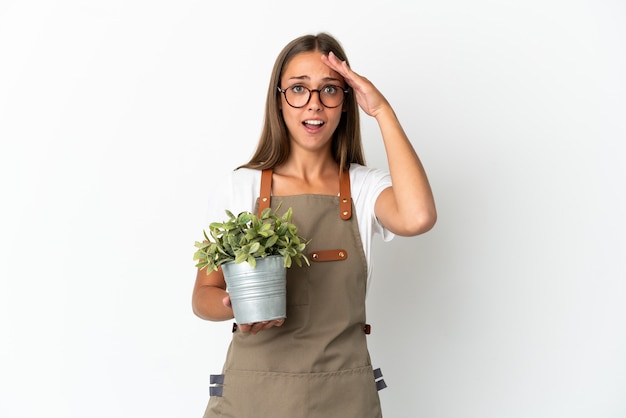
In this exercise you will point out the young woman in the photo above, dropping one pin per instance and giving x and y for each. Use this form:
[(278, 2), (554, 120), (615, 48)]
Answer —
[(315, 363)]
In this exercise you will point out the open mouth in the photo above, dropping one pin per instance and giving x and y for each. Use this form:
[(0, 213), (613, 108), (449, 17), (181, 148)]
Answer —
[(313, 123)]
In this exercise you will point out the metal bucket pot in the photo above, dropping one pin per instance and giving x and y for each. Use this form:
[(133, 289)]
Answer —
[(257, 294)]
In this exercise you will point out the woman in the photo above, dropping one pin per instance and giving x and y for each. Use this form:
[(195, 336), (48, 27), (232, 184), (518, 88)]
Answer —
[(315, 363)]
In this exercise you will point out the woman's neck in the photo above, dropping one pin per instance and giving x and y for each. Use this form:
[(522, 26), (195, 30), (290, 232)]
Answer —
[(306, 176)]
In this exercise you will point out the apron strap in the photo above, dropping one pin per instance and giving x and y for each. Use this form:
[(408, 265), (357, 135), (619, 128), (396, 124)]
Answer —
[(345, 197), (266, 190)]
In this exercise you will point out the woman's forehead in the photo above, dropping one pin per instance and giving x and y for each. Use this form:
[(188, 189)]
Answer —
[(308, 66)]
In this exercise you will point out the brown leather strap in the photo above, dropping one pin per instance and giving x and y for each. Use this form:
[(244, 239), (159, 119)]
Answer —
[(328, 255), (266, 190), (345, 199)]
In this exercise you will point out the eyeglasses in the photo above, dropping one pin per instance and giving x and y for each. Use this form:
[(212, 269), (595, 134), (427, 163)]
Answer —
[(299, 96)]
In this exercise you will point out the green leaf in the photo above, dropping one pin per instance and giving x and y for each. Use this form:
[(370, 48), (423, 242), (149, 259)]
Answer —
[(254, 247), (250, 234), (271, 241), (241, 257), (288, 215), (266, 213)]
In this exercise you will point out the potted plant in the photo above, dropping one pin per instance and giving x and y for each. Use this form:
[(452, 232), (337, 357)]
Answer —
[(254, 253)]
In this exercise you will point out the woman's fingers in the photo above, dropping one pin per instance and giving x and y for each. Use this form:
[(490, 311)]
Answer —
[(367, 95), (340, 66), (256, 327)]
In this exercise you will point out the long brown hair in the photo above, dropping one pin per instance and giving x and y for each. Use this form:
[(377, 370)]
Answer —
[(273, 147)]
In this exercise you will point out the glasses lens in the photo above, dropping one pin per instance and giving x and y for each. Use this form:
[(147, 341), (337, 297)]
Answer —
[(331, 96), (297, 96)]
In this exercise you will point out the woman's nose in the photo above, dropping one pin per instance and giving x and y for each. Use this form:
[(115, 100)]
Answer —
[(315, 101)]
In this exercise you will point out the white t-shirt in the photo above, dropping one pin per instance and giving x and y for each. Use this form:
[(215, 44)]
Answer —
[(239, 192)]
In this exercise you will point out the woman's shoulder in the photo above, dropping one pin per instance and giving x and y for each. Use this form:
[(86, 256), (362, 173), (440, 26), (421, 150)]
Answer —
[(245, 176), (235, 190)]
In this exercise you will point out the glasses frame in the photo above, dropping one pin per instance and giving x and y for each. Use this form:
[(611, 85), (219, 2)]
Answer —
[(345, 90)]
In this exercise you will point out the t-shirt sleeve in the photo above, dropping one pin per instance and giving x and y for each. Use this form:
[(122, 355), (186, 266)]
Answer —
[(381, 181), (236, 192), (219, 200), (368, 184)]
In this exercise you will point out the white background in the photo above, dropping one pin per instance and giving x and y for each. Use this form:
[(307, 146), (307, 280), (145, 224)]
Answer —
[(118, 117)]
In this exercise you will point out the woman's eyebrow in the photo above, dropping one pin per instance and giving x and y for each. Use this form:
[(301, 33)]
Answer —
[(307, 78)]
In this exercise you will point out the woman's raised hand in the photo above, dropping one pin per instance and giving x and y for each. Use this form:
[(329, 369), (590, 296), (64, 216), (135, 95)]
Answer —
[(367, 95)]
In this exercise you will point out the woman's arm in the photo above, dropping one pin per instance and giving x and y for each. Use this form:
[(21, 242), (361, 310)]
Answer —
[(207, 300), (408, 207)]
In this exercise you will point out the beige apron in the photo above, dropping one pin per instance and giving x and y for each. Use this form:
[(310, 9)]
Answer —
[(317, 364)]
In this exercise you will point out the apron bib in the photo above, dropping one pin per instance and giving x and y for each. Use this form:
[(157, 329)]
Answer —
[(317, 364)]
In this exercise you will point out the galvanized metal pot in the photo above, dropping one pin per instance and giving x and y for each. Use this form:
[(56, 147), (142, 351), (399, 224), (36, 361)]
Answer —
[(257, 294)]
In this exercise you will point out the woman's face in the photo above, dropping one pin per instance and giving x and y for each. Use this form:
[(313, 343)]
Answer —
[(311, 126)]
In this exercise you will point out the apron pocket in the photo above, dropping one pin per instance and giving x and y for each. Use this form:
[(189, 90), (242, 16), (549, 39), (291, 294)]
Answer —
[(342, 394), (263, 394)]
